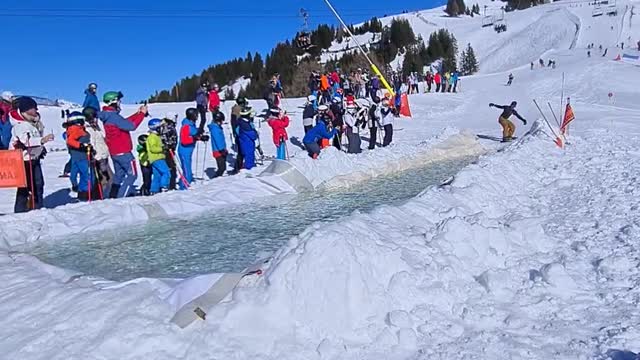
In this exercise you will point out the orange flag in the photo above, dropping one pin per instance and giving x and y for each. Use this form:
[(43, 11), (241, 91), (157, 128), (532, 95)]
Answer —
[(12, 173), (568, 117), (404, 106)]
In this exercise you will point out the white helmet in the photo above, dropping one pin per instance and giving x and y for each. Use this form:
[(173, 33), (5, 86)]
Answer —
[(311, 98), (7, 95), (170, 115)]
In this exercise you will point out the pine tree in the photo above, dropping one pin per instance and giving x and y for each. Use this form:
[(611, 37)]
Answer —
[(469, 61), (452, 8), (461, 7)]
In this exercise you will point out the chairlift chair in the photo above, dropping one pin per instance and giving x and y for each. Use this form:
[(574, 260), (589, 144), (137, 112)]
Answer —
[(303, 41)]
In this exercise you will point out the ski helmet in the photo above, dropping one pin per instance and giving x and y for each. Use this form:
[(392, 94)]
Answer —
[(142, 139), (215, 86), (311, 98), (246, 111), (112, 97), (154, 124), (337, 99), (170, 115), (242, 101), (75, 118), (93, 86), (219, 118), (323, 108), (7, 95), (89, 113), (191, 114)]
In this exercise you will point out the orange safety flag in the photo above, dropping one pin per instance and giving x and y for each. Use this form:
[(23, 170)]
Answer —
[(12, 173), (568, 117), (404, 106), (559, 142)]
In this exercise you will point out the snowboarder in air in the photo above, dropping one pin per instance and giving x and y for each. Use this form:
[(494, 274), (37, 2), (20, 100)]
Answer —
[(508, 128)]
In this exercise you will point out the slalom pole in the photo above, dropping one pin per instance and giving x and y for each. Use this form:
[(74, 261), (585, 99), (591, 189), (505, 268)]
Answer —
[(204, 158), (547, 121), (554, 114), (562, 97), (373, 66), (33, 188), (98, 182), (195, 176)]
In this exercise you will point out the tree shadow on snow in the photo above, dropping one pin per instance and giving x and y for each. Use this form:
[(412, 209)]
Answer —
[(58, 198), (296, 141)]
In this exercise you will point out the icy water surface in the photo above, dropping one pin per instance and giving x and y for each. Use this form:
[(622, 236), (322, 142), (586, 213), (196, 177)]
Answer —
[(230, 238)]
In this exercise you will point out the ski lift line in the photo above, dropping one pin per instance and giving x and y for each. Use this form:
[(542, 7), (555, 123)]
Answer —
[(373, 66), (158, 16)]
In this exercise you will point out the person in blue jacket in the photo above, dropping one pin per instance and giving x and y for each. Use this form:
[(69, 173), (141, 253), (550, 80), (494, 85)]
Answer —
[(90, 98), (218, 143), (317, 133), (247, 136), (454, 78), (186, 145)]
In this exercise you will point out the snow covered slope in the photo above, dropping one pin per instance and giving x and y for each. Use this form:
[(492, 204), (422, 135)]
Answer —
[(531, 253)]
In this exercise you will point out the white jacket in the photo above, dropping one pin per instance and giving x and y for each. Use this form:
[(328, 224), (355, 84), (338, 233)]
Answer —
[(25, 135), (388, 118), (350, 120), (98, 143)]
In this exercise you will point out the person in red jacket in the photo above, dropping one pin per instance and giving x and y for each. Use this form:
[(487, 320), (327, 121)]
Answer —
[(118, 138), (214, 102), (437, 79), (279, 122)]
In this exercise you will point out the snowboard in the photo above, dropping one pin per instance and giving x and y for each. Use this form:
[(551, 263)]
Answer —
[(494, 138)]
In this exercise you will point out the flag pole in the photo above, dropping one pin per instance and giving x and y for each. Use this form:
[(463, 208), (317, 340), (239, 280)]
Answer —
[(373, 66)]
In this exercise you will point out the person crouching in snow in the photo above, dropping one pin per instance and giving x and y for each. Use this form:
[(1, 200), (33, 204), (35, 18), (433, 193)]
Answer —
[(26, 135), (218, 143), (318, 133), (279, 122), (188, 137), (118, 138), (508, 128), (79, 144), (387, 114), (247, 136), (155, 150), (145, 166)]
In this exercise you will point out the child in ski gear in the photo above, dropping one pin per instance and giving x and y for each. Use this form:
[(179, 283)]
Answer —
[(91, 99), (247, 136), (241, 102), (202, 103), (218, 143), (508, 128), (5, 124), (169, 136), (214, 100), (155, 152), (318, 132), (437, 78), (188, 137), (309, 113), (279, 122), (429, 79), (387, 114), (27, 135), (454, 80), (352, 131), (145, 166), (118, 138), (79, 144), (510, 80), (337, 121), (374, 120), (101, 152)]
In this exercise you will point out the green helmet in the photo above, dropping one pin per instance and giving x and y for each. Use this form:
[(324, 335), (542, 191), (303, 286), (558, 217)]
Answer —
[(111, 97), (241, 100)]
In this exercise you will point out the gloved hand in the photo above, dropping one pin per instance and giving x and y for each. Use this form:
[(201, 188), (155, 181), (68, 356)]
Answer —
[(492, 104), (204, 138), (524, 122)]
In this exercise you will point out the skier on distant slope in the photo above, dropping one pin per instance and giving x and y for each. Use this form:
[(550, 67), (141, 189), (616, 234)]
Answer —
[(508, 128), (510, 80)]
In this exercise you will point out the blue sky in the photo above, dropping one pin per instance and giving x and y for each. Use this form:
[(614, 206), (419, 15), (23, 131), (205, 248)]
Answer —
[(146, 45)]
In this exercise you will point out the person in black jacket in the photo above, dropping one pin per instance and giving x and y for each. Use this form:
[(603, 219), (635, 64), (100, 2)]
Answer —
[(169, 136), (508, 128)]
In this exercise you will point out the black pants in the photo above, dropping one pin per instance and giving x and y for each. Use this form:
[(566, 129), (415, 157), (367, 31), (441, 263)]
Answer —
[(239, 157), (203, 117), (354, 141), (221, 163), (415, 88), (173, 170), (437, 87), (67, 168), (147, 171), (428, 87), (337, 139), (372, 137), (388, 135), (30, 197), (455, 86)]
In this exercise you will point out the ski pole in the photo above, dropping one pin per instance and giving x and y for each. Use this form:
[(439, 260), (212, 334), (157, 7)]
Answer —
[(33, 188), (98, 182), (197, 158), (179, 168), (204, 158), (89, 174)]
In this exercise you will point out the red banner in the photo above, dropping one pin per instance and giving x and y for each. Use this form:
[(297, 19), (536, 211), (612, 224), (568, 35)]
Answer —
[(12, 174), (568, 117)]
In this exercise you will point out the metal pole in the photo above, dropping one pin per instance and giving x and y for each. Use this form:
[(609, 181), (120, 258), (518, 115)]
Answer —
[(554, 114), (373, 66)]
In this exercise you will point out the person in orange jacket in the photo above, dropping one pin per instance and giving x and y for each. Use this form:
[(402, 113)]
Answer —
[(79, 144)]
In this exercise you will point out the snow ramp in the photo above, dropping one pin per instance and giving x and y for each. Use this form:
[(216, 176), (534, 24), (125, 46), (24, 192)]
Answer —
[(553, 31)]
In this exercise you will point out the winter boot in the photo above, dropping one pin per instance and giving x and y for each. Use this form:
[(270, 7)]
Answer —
[(83, 196), (115, 188)]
